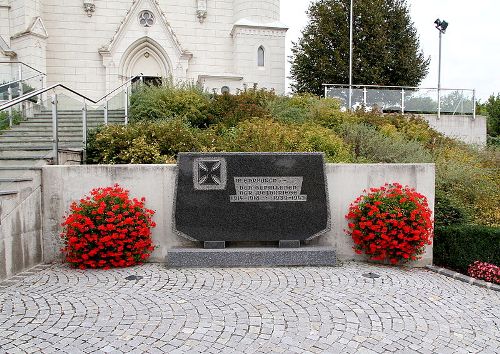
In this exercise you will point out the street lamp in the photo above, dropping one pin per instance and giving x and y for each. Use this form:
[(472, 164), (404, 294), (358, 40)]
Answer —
[(350, 56), (441, 26)]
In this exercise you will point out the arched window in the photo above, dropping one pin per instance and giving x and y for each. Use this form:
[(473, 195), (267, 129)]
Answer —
[(260, 56)]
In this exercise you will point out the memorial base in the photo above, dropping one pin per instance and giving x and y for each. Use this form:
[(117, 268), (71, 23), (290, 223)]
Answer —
[(251, 257)]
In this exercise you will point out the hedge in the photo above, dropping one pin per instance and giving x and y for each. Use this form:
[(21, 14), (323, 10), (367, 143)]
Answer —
[(457, 247)]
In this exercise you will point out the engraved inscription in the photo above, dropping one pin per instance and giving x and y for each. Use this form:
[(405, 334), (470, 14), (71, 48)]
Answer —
[(267, 189), (209, 173)]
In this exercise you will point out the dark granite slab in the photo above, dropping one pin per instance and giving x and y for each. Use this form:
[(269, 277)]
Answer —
[(251, 196), (251, 257)]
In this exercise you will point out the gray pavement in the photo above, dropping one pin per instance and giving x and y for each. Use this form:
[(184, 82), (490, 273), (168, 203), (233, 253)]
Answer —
[(259, 310)]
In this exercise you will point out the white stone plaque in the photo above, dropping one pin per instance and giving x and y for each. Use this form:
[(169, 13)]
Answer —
[(267, 189)]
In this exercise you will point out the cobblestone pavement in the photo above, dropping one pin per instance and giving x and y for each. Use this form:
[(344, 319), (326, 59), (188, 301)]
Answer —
[(281, 310)]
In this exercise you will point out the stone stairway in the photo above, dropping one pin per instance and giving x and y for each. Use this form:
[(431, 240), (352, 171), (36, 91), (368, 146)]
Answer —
[(30, 142), (26, 147)]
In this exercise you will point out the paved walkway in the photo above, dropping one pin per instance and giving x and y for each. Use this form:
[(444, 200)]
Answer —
[(282, 310)]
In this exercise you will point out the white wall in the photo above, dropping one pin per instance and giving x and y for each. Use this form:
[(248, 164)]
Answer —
[(21, 227), (463, 128), (74, 41), (64, 184)]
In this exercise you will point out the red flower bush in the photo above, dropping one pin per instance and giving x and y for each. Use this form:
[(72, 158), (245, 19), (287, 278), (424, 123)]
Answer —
[(390, 223), (484, 271), (107, 229)]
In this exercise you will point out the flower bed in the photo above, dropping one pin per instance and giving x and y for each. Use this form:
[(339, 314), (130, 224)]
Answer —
[(107, 229), (484, 271), (391, 223)]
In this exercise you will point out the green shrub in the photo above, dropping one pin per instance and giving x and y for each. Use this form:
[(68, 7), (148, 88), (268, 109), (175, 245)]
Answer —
[(494, 141), (304, 107), (4, 119), (457, 247), (284, 111), (266, 134), (370, 145), (152, 103), (142, 142), (463, 177), (449, 211), (174, 136), (232, 109), (106, 143), (141, 151)]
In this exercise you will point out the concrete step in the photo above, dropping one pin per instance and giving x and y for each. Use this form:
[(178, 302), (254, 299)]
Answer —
[(24, 161), (15, 183), (46, 129), (26, 151), (28, 177), (4, 193), (40, 133), (79, 111), (14, 193), (75, 120), (15, 179), (76, 116), (34, 139), (37, 125), (41, 145)]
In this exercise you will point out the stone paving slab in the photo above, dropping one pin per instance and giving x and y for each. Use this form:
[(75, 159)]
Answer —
[(54, 309)]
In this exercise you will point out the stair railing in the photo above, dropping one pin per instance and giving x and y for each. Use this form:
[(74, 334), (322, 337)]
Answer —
[(54, 102), (20, 91)]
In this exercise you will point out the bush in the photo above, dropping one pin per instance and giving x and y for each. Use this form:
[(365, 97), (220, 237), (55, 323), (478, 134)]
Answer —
[(151, 103), (142, 142), (4, 119), (370, 145), (471, 180), (283, 111), (449, 211), (263, 135), (457, 247), (107, 229), (391, 223), (231, 109)]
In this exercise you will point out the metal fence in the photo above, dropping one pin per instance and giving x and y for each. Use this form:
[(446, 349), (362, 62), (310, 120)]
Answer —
[(405, 99)]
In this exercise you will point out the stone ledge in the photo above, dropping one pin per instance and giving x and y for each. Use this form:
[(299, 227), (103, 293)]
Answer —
[(250, 257), (464, 278)]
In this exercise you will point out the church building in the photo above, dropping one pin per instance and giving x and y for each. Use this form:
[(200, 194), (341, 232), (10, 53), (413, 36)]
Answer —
[(93, 46)]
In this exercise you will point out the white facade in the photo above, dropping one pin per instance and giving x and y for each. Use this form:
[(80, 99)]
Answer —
[(94, 45)]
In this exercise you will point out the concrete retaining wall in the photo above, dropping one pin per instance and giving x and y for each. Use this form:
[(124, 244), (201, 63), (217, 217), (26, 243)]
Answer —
[(463, 128), (64, 184), (21, 229)]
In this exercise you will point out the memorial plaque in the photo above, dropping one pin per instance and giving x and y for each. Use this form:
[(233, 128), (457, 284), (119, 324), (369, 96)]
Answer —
[(251, 196)]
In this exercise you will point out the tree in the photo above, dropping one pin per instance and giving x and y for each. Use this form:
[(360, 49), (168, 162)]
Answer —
[(385, 46), (493, 108)]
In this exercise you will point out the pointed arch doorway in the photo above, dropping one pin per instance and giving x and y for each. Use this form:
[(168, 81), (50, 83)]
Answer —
[(147, 58)]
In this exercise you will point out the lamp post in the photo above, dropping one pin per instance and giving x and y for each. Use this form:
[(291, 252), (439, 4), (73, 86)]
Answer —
[(350, 55), (441, 27)]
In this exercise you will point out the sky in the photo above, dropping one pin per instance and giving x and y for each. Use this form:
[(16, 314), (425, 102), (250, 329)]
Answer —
[(470, 46)]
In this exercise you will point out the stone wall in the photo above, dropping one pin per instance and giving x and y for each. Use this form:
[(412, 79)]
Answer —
[(463, 128), (21, 228), (64, 184)]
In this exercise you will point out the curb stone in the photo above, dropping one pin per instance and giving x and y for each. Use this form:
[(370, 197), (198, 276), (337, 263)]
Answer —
[(464, 278)]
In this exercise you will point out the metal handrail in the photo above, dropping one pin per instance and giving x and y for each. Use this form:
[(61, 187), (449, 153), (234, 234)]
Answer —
[(20, 62), (54, 101), (399, 87), (21, 80), (328, 87), (43, 90)]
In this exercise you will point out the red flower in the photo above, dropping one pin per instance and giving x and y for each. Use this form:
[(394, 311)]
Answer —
[(485, 271), (391, 223), (99, 229)]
